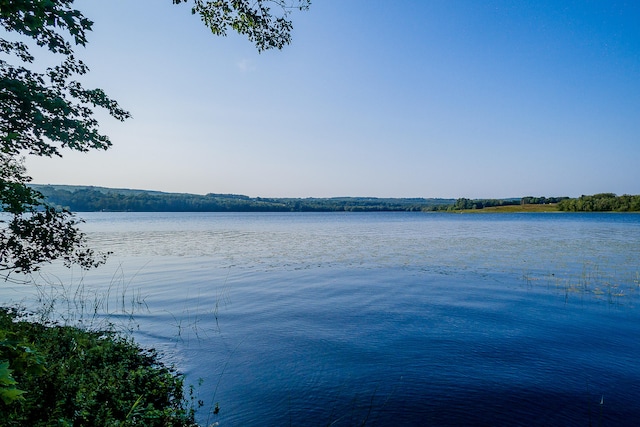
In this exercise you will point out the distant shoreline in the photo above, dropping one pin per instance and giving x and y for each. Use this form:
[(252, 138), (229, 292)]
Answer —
[(552, 207), (102, 199)]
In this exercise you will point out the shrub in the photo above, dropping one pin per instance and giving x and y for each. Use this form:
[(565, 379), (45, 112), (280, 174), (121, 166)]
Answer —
[(66, 376)]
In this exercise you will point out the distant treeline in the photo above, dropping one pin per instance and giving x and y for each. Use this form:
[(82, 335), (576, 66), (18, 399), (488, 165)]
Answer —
[(92, 199), (603, 202), (463, 204)]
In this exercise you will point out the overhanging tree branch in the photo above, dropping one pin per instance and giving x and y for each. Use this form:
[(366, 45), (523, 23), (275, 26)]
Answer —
[(42, 113), (254, 19)]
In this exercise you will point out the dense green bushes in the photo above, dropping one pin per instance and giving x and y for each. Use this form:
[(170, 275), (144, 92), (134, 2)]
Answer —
[(65, 376), (603, 202)]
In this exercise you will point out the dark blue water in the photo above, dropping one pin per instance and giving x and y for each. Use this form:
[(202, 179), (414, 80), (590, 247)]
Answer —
[(385, 319)]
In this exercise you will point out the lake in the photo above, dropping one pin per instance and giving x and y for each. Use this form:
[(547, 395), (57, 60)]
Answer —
[(384, 319)]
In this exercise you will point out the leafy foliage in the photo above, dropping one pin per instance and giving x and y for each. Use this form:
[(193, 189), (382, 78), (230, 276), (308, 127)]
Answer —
[(8, 390), (33, 232), (253, 19), (40, 114), (44, 112), (72, 377), (531, 200), (464, 203), (602, 202)]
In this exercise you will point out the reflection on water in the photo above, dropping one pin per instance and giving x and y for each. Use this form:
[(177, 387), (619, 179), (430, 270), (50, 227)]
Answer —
[(392, 318)]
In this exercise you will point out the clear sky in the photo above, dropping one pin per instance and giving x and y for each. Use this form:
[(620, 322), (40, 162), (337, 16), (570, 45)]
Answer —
[(405, 98)]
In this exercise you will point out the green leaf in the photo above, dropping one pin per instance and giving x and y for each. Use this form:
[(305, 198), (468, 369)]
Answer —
[(5, 375), (9, 395), (8, 392)]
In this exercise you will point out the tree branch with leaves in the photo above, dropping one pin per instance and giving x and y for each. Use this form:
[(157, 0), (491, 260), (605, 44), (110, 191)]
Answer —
[(40, 114), (44, 112), (253, 19)]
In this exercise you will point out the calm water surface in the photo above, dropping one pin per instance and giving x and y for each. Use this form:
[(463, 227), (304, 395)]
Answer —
[(388, 318)]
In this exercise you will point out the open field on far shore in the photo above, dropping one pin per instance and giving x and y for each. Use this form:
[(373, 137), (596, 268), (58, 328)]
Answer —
[(551, 207)]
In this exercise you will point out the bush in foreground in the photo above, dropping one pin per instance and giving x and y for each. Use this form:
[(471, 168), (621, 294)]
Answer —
[(66, 376)]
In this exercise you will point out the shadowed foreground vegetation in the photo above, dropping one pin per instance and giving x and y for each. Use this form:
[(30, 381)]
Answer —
[(66, 376)]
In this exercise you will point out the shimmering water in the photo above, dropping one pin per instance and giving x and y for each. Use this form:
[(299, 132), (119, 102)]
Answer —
[(388, 318)]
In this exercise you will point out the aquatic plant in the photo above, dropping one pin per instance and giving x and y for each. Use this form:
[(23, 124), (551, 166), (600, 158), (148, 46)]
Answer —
[(594, 280)]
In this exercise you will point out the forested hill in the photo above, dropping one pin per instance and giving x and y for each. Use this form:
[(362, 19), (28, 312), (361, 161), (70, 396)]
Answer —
[(92, 199)]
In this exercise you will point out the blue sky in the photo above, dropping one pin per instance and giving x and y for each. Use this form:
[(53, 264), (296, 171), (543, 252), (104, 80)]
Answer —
[(373, 98)]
